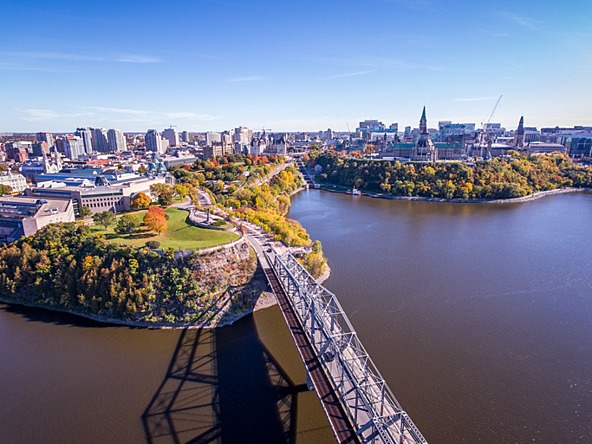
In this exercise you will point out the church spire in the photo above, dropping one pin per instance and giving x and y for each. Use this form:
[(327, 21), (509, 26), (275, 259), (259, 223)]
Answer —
[(423, 123)]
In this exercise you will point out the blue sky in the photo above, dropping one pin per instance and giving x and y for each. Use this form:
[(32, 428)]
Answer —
[(292, 65)]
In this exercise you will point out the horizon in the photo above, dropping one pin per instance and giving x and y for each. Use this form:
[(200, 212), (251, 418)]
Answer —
[(219, 64)]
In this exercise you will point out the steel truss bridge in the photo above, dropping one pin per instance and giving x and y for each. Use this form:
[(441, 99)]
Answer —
[(359, 404)]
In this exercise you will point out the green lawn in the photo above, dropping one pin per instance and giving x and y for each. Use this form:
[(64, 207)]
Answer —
[(179, 235)]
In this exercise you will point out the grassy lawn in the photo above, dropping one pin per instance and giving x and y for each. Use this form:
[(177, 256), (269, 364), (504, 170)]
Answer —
[(179, 235)]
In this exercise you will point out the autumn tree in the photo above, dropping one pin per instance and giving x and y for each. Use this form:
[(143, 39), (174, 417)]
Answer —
[(5, 189), (163, 193), (155, 220), (181, 190), (140, 201)]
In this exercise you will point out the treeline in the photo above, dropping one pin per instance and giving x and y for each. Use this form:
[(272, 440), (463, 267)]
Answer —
[(498, 178), (266, 205), (228, 168), (64, 266)]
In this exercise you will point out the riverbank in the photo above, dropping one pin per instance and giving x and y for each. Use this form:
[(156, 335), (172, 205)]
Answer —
[(528, 198)]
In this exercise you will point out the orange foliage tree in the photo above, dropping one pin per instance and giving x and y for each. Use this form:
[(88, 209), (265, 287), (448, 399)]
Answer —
[(155, 219)]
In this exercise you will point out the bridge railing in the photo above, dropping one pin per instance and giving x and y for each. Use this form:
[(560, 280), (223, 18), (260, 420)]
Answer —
[(373, 409)]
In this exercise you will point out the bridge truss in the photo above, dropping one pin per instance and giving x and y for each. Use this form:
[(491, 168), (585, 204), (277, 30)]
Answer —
[(373, 410)]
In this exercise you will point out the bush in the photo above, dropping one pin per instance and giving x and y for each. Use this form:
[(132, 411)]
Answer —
[(153, 244)]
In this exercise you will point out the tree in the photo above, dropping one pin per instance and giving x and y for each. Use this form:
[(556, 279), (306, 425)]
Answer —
[(5, 189), (127, 223), (155, 219), (84, 211), (142, 169), (163, 193), (181, 190), (140, 201), (104, 218)]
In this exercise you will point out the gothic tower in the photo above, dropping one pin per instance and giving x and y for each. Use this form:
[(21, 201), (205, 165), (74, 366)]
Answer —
[(424, 149), (519, 138)]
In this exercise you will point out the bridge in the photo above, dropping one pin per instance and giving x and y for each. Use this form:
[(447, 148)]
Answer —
[(356, 399)]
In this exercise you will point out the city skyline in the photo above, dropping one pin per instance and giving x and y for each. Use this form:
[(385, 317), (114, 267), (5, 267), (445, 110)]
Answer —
[(299, 67)]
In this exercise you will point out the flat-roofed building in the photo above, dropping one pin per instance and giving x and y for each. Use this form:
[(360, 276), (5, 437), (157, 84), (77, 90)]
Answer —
[(109, 191), (23, 216), (544, 148)]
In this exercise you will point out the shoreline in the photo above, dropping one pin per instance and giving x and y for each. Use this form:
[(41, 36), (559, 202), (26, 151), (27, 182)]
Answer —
[(530, 197), (265, 300)]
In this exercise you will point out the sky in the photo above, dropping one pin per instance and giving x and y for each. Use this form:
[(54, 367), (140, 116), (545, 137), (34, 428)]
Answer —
[(211, 65)]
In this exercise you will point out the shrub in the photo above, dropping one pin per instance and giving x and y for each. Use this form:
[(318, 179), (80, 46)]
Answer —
[(153, 244)]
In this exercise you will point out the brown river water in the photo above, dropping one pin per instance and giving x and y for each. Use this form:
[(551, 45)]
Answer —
[(478, 316)]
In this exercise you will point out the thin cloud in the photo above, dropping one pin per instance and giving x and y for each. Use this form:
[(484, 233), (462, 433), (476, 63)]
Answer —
[(254, 78), (135, 58), (64, 56), (474, 99), (20, 67), (525, 22), (38, 114), (138, 112), (148, 116), (348, 74)]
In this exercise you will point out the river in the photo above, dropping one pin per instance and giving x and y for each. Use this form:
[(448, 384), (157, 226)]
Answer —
[(478, 316)]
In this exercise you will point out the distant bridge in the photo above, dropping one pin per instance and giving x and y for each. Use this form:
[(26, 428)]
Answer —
[(358, 403)]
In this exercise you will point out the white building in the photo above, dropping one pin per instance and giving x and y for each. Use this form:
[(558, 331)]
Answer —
[(15, 181), (213, 137), (172, 136)]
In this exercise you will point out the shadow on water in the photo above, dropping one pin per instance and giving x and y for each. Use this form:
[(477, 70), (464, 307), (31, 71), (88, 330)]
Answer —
[(223, 386), (40, 314)]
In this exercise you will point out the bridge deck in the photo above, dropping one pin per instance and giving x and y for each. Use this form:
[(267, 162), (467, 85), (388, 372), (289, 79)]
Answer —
[(336, 414)]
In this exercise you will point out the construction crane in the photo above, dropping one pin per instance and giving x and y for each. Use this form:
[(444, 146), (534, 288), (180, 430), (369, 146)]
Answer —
[(493, 110), (484, 142)]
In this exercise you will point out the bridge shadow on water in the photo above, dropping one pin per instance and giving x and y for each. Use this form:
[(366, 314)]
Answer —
[(223, 385)]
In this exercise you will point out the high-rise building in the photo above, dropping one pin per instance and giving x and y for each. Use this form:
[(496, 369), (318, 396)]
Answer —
[(100, 141), (73, 147), (117, 140), (172, 136), (153, 141), (213, 137), (39, 148), (86, 135), (45, 137), (243, 135), (185, 136)]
